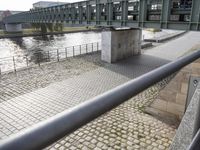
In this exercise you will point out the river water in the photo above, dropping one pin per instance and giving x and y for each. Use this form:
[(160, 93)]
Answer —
[(27, 45), (23, 48)]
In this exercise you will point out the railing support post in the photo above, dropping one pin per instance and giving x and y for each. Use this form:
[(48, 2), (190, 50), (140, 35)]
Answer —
[(66, 53), (38, 59), (14, 65), (48, 56), (73, 51), (80, 49), (58, 55), (0, 72), (86, 49)]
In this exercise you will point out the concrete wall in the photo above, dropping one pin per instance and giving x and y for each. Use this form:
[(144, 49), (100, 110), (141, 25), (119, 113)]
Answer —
[(13, 27), (120, 44), (184, 134), (172, 99)]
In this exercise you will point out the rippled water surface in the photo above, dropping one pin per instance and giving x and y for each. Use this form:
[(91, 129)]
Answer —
[(27, 45)]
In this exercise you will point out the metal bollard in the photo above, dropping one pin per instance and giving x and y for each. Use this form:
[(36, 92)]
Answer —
[(97, 46), (92, 47)]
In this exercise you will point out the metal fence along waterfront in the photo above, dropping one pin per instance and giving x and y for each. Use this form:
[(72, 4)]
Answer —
[(37, 58)]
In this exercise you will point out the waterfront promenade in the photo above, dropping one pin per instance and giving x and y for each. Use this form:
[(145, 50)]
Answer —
[(125, 127)]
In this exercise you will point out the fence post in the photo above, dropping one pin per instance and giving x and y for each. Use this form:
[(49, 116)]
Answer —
[(73, 51), (86, 49), (58, 55), (80, 49), (14, 65), (38, 59), (92, 47), (26, 61), (66, 52), (0, 72), (48, 56)]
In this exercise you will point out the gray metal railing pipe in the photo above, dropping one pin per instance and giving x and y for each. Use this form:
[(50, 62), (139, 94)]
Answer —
[(51, 130)]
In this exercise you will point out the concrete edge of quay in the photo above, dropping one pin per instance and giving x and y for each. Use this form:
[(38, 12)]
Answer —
[(165, 38)]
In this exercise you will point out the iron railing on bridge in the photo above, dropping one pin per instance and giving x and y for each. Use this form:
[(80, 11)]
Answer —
[(43, 134), (19, 62)]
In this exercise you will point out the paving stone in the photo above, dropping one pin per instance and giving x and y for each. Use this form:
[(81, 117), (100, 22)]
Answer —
[(125, 127)]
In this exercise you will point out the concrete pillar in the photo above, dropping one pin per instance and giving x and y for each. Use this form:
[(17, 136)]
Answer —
[(120, 44), (13, 27)]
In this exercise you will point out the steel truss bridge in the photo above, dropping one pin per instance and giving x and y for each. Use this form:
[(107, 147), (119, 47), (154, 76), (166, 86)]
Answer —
[(165, 14)]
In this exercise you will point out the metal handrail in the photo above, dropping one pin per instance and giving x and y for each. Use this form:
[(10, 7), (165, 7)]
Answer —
[(47, 132)]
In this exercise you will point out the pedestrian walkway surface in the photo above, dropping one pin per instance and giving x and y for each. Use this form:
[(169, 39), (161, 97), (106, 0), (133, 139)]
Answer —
[(125, 127), (177, 47)]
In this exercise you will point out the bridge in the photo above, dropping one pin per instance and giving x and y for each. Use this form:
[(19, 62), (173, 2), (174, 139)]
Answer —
[(135, 14), (165, 14)]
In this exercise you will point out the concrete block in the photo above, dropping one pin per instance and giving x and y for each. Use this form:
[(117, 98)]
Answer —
[(120, 44), (106, 47)]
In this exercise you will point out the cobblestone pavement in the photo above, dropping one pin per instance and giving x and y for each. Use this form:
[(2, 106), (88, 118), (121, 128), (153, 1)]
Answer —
[(28, 80), (125, 127)]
